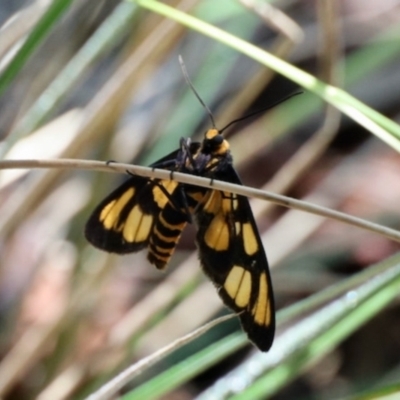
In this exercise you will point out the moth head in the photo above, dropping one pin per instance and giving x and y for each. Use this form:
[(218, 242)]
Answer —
[(214, 143)]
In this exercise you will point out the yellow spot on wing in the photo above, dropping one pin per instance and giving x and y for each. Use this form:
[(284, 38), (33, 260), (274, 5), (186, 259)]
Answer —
[(105, 212), (110, 213), (227, 206), (217, 234), (237, 228), (261, 310), (213, 203), (249, 239), (234, 202), (229, 202), (137, 226), (242, 298), (232, 281), (238, 285)]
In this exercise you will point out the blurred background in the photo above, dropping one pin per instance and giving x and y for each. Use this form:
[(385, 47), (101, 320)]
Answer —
[(104, 83)]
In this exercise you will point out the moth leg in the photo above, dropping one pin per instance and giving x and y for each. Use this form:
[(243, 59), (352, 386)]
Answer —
[(185, 204), (187, 155), (164, 164)]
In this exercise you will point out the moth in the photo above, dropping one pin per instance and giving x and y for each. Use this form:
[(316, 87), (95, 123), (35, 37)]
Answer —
[(151, 214)]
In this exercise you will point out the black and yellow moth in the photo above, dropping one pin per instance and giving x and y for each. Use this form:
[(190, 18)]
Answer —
[(152, 213)]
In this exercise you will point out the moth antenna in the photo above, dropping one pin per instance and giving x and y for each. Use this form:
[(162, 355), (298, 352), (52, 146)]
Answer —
[(188, 81), (260, 110)]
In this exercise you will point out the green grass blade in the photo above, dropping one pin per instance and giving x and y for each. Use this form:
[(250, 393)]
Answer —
[(384, 128), (312, 338), (185, 370), (98, 44), (362, 297), (41, 30)]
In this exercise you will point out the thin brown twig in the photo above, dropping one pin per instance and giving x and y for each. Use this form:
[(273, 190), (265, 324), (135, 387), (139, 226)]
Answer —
[(112, 386), (149, 172)]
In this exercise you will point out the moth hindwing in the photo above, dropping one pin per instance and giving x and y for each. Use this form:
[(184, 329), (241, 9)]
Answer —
[(150, 213)]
